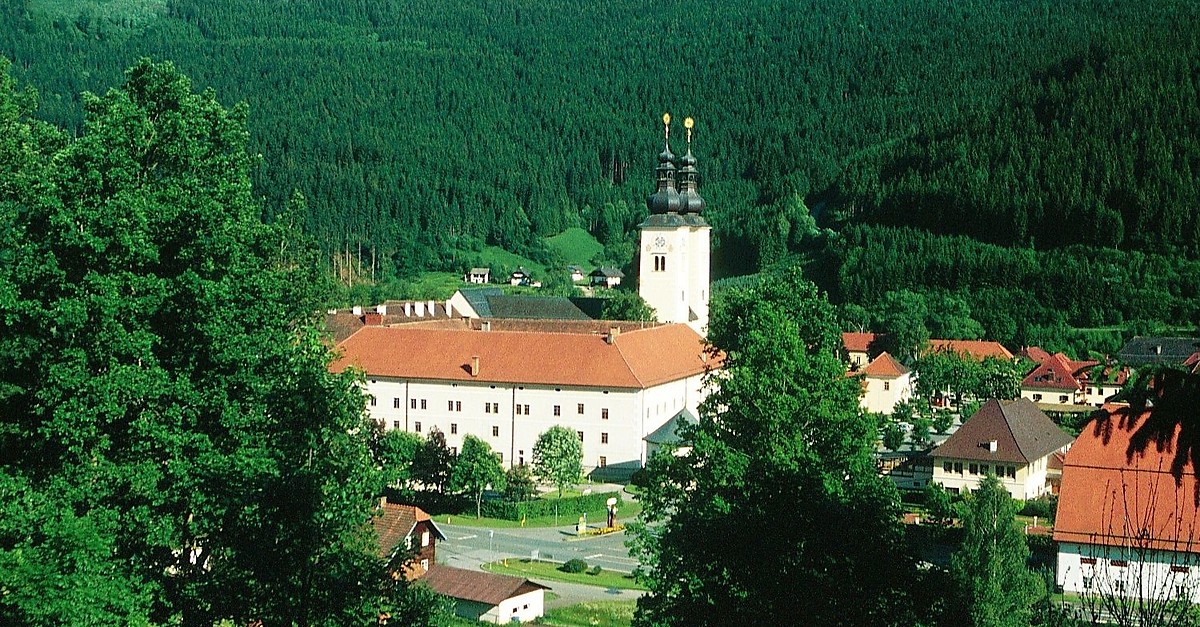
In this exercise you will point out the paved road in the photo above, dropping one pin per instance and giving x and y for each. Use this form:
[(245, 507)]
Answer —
[(470, 547)]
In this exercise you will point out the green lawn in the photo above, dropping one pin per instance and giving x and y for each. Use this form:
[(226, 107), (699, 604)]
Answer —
[(577, 246), (499, 259), (627, 511), (549, 570), (594, 614)]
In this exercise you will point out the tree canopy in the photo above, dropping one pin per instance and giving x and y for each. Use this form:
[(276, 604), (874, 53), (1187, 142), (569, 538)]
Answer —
[(174, 449), (558, 457), (476, 468), (778, 487)]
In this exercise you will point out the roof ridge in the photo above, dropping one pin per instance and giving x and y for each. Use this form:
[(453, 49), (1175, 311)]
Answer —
[(1011, 433), (616, 342)]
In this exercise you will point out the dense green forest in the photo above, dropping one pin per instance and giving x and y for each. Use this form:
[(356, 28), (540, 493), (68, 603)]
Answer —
[(418, 135)]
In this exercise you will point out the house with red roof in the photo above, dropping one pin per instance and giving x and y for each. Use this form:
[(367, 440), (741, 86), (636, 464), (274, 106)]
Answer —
[(1060, 380), (1128, 522), (975, 349), (612, 387), (1013, 440), (885, 383), (861, 348), (407, 538)]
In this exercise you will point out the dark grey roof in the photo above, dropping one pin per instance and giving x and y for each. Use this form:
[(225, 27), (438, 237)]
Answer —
[(667, 433), (608, 272), (1157, 350), (673, 220), (1021, 431), (534, 308), (478, 299)]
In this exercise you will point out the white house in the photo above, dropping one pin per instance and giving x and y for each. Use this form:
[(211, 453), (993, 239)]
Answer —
[(1127, 526), (607, 277), (488, 597), (507, 387), (860, 347), (1013, 440), (478, 276), (885, 383)]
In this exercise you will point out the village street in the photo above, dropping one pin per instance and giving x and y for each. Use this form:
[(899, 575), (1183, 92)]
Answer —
[(470, 547)]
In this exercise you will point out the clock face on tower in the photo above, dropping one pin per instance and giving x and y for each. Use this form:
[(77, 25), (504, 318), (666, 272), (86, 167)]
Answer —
[(660, 242)]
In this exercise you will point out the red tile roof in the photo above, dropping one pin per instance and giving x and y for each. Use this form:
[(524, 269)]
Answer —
[(1036, 353), (477, 586), (636, 359), (1117, 495), (395, 522), (1057, 372), (885, 366), (859, 342), (1021, 431), (979, 349)]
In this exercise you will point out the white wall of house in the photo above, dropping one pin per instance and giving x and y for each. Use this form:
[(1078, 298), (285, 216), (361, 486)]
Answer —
[(1098, 394), (1122, 571), (858, 359), (1029, 481), (523, 607), (881, 395), (509, 417), (1047, 395)]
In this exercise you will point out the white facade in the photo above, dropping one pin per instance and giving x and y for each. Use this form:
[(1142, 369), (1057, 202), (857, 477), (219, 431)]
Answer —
[(674, 273), (510, 417), (521, 608), (1022, 481), (1085, 569), (881, 394)]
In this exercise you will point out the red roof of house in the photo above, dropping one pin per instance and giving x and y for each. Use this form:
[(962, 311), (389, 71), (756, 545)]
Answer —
[(1021, 431), (885, 366), (859, 342), (395, 522), (472, 585), (1036, 353), (1117, 493), (635, 359), (1057, 372), (979, 349)]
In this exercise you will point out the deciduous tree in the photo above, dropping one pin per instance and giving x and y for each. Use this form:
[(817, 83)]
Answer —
[(476, 468), (434, 461), (558, 457)]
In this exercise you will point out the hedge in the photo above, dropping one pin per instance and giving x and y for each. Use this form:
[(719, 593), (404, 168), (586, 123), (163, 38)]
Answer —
[(567, 506)]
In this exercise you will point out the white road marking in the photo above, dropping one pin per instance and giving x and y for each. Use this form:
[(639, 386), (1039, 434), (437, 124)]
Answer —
[(592, 557), (468, 537)]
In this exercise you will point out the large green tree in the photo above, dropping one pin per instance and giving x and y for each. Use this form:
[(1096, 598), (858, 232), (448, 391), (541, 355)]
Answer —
[(173, 448), (476, 468), (778, 488), (994, 586), (558, 457)]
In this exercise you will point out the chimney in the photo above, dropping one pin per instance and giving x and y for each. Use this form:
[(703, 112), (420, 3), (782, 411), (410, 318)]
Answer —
[(357, 310), (420, 309), (485, 325), (382, 309), (1158, 349), (475, 366), (373, 318), (449, 310), (382, 501), (407, 310), (613, 332), (431, 309)]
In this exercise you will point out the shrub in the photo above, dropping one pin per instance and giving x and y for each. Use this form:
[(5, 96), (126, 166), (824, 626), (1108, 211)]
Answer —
[(574, 566), (568, 507), (1043, 507), (595, 570)]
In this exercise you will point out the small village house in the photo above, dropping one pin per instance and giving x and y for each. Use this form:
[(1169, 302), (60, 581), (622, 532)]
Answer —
[(885, 383), (606, 277), (479, 276), (1012, 439)]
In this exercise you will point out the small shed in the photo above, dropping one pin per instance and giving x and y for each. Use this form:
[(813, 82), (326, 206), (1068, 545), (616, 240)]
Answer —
[(607, 277), (488, 597)]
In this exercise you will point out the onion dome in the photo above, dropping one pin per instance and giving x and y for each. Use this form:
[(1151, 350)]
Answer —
[(689, 178), (665, 198)]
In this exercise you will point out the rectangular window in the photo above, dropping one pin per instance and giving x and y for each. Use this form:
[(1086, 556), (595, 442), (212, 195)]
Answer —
[(1119, 586), (417, 427), (424, 538), (449, 405), (580, 435), (495, 431), (1063, 398), (887, 385), (412, 402), (453, 428), (518, 409), (603, 461), (983, 470), (372, 401), (1011, 471), (457, 405), (422, 403), (395, 403), (604, 438), (487, 408), (557, 410), (604, 414), (527, 410), (974, 468), (425, 565), (958, 467), (1087, 583), (947, 466), (1119, 563), (1087, 560), (1181, 569), (1037, 398), (395, 424), (580, 408)]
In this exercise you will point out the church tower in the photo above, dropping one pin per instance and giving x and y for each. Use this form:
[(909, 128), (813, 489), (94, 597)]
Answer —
[(674, 268)]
